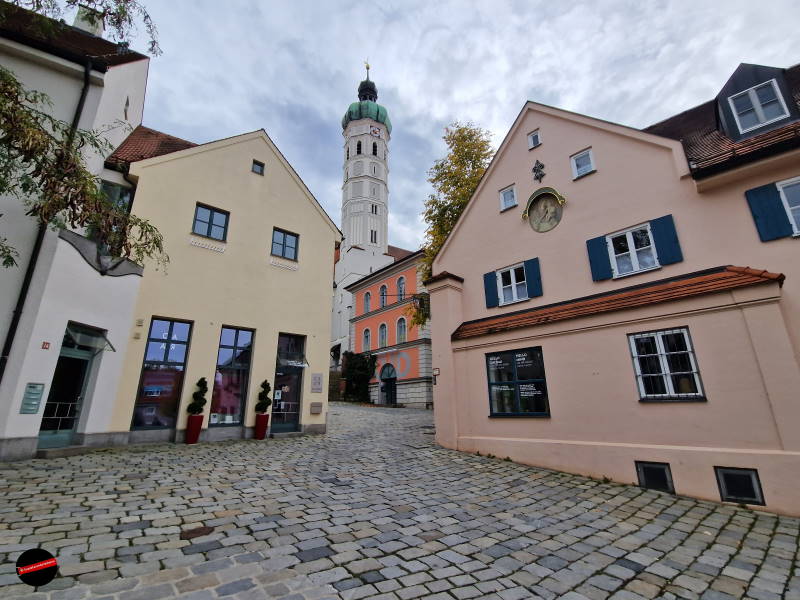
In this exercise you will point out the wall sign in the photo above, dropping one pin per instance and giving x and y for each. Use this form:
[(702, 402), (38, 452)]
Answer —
[(31, 399), (517, 383), (45, 345), (316, 383)]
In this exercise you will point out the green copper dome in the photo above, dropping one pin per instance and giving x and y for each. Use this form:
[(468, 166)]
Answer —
[(367, 107)]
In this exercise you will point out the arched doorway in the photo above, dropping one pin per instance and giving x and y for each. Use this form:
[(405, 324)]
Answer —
[(388, 385)]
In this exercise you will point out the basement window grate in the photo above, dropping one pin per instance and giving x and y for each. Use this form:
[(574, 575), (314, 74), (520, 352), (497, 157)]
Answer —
[(739, 485), (655, 476)]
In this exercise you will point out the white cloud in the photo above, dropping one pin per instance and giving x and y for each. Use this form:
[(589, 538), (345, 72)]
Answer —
[(293, 68)]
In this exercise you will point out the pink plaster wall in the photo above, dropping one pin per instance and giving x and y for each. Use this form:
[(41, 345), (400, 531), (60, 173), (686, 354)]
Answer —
[(747, 352)]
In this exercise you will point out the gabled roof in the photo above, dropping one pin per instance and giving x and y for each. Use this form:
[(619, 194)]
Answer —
[(709, 150), (398, 253), (59, 39), (710, 281), (143, 143)]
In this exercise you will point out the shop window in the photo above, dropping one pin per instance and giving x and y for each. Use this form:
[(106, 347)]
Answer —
[(231, 379), (163, 368), (739, 485), (655, 476), (517, 383)]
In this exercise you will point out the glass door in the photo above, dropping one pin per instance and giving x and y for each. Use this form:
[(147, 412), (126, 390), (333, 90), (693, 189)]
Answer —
[(65, 398), (288, 391)]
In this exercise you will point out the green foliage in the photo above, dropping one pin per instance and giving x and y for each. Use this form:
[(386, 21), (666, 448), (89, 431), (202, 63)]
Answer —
[(42, 158), (454, 179), (198, 398), (357, 370), (263, 397)]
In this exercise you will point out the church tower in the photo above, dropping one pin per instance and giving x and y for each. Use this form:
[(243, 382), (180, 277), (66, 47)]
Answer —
[(365, 207), (365, 193)]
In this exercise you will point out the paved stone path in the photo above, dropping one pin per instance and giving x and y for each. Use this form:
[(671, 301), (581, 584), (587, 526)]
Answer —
[(372, 510)]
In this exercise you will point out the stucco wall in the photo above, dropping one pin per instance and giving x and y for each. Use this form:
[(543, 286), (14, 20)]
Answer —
[(242, 286)]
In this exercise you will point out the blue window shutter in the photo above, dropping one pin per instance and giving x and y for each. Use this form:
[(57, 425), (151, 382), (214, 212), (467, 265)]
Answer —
[(490, 287), (769, 213), (665, 238), (598, 258), (533, 278)]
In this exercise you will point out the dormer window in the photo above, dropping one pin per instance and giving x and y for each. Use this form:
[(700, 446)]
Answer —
[(758, 106)]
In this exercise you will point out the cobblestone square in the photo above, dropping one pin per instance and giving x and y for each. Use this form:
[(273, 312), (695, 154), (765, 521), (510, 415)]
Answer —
[(373, 509)]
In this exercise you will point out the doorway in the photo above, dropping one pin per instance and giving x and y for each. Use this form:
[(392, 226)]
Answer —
[(288, 393), (389, 385)]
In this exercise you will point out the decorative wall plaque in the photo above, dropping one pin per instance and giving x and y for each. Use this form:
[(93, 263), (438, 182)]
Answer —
[(544, 209)]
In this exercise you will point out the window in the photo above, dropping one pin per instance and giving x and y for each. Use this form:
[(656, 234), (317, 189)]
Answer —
[(511, 286), (790, 196), (367, 302), (508, 198), (358, 148), (655, 476), (632, 251), (665, 365), (534, 139), (284, 244), (374, 168), (373, 190), (117, 195), (582, 163), (365, 343), (232, 376), (210, 222), (383, 293), (374, 148), (373, 236), (382, 336), (258, 167), (162, 374), (401, 330), (517, 385), (758, 106), (401, 289), (374, 209), (739, 485), (348, 153)]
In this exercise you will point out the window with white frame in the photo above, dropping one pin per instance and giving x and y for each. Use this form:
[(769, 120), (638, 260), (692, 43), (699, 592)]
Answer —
[(401, 330), (382, 336), (632, 250), (508, 198), (511, 285), (790, 196), (760, 105), (534, 139), (365, 344), (383, 293), (582, 163), (665, 365)]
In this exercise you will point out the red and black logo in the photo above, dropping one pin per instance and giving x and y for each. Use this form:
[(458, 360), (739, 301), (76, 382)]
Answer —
[(36, 567)]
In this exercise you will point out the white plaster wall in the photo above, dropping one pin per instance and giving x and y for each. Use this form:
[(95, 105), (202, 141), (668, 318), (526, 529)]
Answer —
[(70, 290)]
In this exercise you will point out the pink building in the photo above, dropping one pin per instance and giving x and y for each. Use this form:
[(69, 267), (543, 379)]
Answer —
[(625, 303)]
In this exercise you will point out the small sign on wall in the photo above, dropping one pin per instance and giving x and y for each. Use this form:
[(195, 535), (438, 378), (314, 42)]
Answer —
[(316, 383), (45, 345), (31, 399)]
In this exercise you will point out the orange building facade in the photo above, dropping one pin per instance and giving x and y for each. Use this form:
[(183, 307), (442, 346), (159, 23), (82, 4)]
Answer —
[(381, 325)]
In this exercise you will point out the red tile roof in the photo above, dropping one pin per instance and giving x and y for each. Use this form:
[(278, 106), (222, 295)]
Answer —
[(398, 253), (62, 40), (441, 277), (143, 143), (710, 281), (707, 147)]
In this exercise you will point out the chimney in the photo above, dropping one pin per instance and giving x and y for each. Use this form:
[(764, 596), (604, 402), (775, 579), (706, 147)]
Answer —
[(89, 21)]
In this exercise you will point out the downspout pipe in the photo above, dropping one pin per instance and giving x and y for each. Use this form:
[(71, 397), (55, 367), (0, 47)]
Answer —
[(37, 245)]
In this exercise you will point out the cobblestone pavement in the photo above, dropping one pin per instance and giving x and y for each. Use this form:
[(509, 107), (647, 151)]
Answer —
[(372, 510)]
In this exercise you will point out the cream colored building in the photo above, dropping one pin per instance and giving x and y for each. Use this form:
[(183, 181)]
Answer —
[(245, 297)]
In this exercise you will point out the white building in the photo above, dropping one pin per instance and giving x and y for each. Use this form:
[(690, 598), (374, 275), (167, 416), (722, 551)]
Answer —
[(366, 129), (65, 312)]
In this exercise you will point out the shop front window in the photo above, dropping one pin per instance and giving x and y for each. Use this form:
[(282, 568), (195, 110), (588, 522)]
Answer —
[(232, 376), (517, 385), (162, 374)]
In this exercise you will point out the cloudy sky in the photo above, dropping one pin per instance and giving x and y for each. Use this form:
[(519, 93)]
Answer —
[(292, 67)]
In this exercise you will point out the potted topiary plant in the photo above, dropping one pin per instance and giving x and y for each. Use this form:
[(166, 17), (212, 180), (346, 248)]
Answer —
[(262, 417), (195, 410)]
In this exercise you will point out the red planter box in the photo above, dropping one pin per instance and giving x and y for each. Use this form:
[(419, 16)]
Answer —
[(193, 427), (262, 422)]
